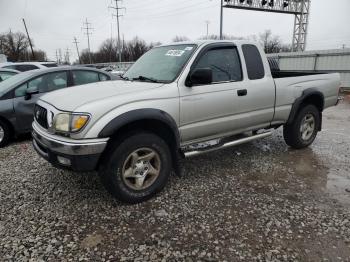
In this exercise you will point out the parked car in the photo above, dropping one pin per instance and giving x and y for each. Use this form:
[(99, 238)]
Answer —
[(19, 94), (27, 66), (7, 73), (133, 131)]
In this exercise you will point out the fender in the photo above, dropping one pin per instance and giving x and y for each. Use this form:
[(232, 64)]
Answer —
[(140, 114), (297, 103)]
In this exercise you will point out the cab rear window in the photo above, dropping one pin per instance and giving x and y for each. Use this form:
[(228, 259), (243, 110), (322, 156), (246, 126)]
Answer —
[(255, 65)]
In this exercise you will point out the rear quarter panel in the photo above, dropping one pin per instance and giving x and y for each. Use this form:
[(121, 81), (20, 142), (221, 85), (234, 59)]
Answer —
[(290, 88)]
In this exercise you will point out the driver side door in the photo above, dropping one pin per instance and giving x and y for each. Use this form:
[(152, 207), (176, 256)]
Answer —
[(206, 110)]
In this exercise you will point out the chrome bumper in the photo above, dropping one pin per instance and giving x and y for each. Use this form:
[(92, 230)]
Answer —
[(67, 146)]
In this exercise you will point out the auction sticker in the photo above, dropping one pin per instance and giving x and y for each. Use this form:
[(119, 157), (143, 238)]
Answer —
[(175, 53)]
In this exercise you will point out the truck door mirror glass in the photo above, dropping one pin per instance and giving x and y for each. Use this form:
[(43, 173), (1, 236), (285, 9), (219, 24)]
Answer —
[(201, 76)]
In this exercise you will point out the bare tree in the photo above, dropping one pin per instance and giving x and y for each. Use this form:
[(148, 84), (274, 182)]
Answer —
[(15, 47), (107, 52), (14, 44), (272, 43), (217, 37), (180, 38)]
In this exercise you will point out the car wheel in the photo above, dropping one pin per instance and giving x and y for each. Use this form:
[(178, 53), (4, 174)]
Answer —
[(303, 130), (137, 168), (5, 133)]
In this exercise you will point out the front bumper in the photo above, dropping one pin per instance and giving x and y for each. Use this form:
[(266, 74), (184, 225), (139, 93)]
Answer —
[(77, 155)]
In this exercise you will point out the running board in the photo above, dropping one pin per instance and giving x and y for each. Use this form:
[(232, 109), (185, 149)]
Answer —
[(228, 144)]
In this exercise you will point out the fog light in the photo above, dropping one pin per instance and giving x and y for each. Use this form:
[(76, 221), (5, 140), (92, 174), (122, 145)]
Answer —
[(63, 161)]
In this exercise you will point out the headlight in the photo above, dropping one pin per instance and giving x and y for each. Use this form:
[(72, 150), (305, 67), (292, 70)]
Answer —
[(61, 122), (78, 122), (65, 122)]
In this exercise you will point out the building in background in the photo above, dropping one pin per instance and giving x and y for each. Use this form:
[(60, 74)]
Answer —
[(336, 60)]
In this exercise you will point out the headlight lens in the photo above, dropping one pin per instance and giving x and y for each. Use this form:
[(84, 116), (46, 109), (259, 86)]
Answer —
[(65, 122), (61, 122)]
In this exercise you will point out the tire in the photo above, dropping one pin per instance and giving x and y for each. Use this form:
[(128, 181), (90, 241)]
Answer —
[(137, 168), (5, 133), (303, 130)]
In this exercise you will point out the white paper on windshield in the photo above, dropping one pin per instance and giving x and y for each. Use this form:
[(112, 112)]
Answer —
[(175, 53), (189, 48)]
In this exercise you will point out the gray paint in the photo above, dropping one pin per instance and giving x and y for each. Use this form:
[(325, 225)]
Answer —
[(17, 110), (201, 112)]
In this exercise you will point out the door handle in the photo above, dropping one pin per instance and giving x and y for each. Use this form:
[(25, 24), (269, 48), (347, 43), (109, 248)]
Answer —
[(242, 92)]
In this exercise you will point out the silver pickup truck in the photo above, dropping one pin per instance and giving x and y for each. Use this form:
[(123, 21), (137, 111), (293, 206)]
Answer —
[(134, 131)]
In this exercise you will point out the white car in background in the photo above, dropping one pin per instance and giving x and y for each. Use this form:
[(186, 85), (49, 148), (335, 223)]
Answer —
[(27, 66)]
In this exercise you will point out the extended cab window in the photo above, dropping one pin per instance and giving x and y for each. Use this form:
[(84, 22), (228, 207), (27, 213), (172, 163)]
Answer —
[(84, 77), (255, 65), (224, 62), (46, 83)]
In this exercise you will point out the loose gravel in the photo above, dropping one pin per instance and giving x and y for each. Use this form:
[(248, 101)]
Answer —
[(257, 202)]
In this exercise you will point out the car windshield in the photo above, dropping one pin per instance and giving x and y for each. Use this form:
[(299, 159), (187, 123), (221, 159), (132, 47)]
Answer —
[(160, 64), (6, 85)]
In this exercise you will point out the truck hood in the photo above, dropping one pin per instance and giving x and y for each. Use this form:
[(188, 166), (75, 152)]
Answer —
[(70, 98)]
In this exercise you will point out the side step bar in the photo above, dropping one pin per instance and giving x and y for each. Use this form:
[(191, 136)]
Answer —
[(228, 144)]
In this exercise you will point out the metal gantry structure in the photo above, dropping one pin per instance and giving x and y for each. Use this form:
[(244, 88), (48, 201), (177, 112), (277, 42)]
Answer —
[(299, 8)]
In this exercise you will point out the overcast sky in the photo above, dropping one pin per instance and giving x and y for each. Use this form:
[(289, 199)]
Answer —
[(53, 23)]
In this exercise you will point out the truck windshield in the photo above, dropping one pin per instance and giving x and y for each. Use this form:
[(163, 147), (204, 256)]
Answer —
[(161, 64)]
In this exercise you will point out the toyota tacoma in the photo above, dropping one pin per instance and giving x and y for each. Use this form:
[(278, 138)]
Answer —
[(168, 104)]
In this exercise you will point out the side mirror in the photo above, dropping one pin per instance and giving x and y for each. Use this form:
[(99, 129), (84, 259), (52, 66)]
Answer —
[(29, 93), (200, 76)]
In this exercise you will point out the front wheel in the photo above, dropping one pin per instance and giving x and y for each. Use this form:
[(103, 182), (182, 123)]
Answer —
[(137, 168), (303, 130)]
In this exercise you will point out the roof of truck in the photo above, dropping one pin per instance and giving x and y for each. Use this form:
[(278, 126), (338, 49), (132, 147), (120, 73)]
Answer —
[(205, 42)]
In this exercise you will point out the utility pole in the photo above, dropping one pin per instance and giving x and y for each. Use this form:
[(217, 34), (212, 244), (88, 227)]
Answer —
[(30, 42), (66, 56), (221, 17), (60, 56), (207, 22), (117, 8), (88, 33), (76, 45), (57, 57)]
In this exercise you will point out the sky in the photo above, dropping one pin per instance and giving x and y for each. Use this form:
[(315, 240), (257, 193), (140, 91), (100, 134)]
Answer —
[(53, 24)]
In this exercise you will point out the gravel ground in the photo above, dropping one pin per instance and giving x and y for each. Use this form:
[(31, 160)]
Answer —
[(257, 202)]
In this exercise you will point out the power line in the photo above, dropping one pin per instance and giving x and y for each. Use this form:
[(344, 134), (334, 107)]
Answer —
[(88, 33), (117, 8), (76, 45)]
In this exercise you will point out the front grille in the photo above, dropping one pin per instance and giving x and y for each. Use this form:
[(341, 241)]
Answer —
[(40, 115)]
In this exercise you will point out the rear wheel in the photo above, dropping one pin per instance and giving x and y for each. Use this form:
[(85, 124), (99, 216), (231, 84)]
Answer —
[(137, 168), (5, 133), (303, 130)]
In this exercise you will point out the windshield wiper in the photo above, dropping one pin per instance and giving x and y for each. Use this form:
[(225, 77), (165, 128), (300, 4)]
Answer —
[(145, 78)]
